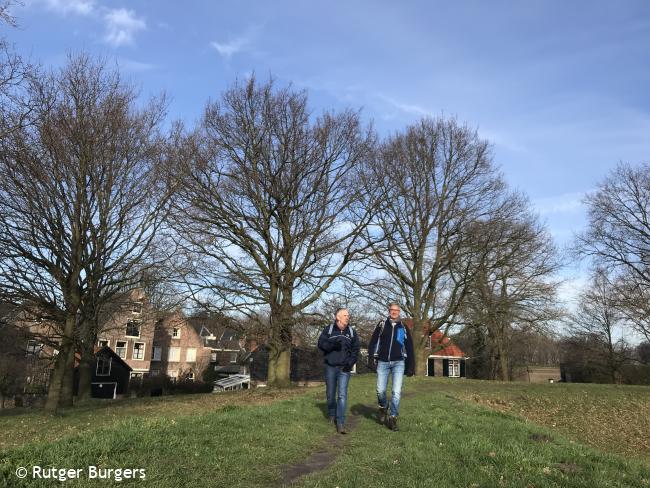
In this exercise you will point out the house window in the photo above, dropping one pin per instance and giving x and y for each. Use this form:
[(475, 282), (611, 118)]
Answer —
[(213, 357), (190, 376), (138, 350), (157, 351), (454, 367), (190, 355), (34, 347), (233, 357), (155, 372), (176, 333), (173, 375), (136, 307), (103, 342), (120, 349), (174, 354), (103, 366), (133, 328)]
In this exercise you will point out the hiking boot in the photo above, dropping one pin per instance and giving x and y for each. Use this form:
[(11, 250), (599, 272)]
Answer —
[(392, 423), (340, 428), (383, 414)]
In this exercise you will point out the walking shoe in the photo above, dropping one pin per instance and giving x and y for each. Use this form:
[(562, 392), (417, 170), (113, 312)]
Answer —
[(383, 414), (340, 428), (392, 423)]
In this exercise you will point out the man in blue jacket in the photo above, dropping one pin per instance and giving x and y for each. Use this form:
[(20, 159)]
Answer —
[(340, 344), (391, 352)]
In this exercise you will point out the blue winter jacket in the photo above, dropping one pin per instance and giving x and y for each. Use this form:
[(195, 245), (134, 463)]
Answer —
[(340, 347), (390, 343)]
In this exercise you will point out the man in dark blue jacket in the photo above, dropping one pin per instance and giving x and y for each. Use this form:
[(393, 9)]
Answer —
[(391, 352), (340, 344)]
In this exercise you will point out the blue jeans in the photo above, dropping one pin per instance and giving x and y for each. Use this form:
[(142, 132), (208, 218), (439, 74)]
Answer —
[(334, 375), (384, 368)]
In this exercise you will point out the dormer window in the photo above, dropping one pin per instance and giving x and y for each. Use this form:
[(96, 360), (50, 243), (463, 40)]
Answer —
[(133, 328)]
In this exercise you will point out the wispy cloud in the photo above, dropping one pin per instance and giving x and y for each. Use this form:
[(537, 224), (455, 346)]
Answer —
[(122, 25), (404, 107), (239, 44), (134, 66), (567, 203), (78, 7)]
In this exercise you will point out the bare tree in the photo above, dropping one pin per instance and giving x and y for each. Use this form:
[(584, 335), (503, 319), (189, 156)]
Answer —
[(618, 238), (433, 180), (513, 289), (599, 317), (15, 75), (268, 206), (80, 202)]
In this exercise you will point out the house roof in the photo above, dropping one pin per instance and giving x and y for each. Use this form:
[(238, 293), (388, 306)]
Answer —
[(108, 351), (441, 345), (215, 331)]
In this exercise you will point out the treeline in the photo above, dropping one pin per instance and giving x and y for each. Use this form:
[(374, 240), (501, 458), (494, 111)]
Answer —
[(270, 214)]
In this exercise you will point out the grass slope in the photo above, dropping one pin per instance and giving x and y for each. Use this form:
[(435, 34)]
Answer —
[(219, 440)]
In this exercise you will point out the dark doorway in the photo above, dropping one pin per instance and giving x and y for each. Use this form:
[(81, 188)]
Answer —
[(430, 365)]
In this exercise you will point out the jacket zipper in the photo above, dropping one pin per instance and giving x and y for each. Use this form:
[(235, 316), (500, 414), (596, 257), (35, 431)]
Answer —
[(392, 333)]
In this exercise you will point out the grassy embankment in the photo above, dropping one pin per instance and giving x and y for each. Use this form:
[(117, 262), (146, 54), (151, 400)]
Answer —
[(453, 433)]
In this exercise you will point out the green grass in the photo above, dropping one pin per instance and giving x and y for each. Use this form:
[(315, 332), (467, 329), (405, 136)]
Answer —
[(447, 438)]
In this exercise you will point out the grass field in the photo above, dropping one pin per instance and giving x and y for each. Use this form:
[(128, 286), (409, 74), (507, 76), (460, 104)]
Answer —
[(453, 433)]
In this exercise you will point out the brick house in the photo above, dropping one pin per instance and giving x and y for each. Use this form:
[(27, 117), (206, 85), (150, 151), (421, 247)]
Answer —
[(170, 343), (445, 357), (128, 330)]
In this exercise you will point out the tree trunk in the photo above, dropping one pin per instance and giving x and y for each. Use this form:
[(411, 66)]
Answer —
[(420, 336), (56, 397), (279, 374), (67, 383), (87, 362), (56, 378), (280, 368), (86, 370)]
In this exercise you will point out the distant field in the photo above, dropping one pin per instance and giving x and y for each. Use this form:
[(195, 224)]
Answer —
[(453, 433), (614, 418)]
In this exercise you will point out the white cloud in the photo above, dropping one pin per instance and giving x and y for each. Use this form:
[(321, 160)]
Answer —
[(121, 26), (228, 49), (79, 7)]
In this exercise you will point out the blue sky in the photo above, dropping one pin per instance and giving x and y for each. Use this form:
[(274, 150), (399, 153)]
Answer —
[(560, 88)]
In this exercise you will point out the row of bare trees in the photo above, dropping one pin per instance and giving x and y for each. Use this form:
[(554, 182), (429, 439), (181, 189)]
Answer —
[(262, 210), (616, 300)]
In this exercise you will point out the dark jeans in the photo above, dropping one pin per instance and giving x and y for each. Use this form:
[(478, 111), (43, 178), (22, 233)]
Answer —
[(335, 376)]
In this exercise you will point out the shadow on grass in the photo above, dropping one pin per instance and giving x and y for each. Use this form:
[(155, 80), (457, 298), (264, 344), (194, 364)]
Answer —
[(367, 411), (322, 406)]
